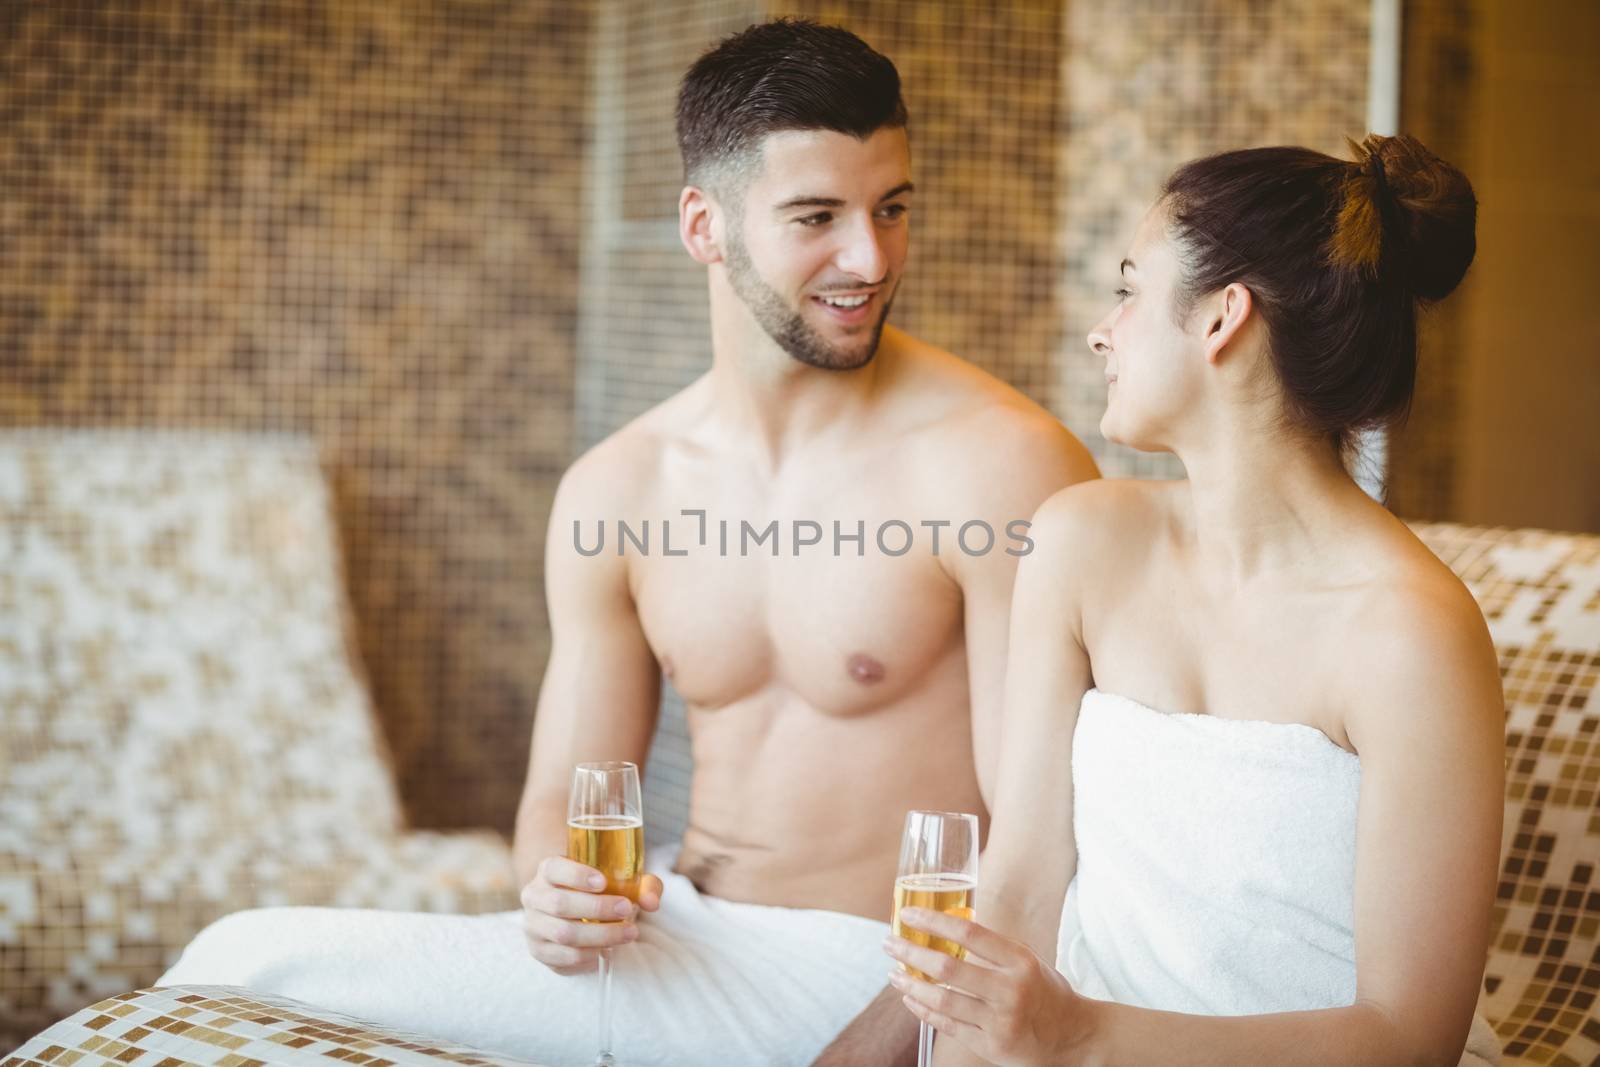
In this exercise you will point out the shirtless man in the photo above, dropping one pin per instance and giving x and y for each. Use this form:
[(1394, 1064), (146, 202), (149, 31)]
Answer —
[(839, 668), (830, 687)]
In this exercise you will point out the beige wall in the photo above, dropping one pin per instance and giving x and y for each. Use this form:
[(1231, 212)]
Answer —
[(1528, 435)]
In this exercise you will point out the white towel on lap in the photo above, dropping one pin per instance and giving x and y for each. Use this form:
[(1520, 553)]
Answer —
[(709, 981), (1216, 865)]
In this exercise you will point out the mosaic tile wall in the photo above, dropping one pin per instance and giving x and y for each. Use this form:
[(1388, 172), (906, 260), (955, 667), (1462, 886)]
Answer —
[(1150, 84), (644, 330), (358, 220)]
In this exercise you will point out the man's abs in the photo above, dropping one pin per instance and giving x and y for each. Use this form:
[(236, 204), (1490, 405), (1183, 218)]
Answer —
[(799, 807)]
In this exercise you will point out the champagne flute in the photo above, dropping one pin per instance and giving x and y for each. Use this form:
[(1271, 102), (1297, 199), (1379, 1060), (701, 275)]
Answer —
[(939, 872), (605, 830)]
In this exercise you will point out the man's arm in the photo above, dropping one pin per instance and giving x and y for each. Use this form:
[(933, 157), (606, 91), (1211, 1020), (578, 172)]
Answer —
[(1042, 457), (598, 701), (883, 1035)]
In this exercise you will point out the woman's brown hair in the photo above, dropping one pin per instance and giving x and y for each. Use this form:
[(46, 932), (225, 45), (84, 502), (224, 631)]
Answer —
[(1337, 256)]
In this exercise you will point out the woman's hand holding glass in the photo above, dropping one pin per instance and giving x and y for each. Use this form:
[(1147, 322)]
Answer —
[(1001, 1002)]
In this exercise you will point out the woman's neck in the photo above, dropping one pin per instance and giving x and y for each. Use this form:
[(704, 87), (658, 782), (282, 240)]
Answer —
[(1264, 511)]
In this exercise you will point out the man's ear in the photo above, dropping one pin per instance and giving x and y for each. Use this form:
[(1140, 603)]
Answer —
[(697, 229), (1225, 315)]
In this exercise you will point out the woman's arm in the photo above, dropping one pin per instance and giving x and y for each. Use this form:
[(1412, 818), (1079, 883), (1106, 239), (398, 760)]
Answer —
[(1427, 721), (1030, 855)]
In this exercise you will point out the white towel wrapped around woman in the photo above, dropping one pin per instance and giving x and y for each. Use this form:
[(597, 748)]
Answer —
[(708, 981), (1216, 865)]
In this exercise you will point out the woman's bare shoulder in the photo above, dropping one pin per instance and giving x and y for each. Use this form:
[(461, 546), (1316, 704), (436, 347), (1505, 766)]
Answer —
[(1088, 537), (1111, 511), (1412, 594), (1421, 651)]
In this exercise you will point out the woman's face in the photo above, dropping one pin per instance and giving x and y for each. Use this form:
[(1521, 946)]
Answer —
[(1153, 364)]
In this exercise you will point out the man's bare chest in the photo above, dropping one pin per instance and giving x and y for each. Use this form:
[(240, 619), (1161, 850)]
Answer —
[(843, 632), (837, 588)]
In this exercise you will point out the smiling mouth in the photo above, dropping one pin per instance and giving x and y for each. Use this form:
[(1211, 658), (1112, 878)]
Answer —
[(846, 308)]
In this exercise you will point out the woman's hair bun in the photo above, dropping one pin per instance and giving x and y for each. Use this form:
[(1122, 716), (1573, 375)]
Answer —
[(1406, 210)]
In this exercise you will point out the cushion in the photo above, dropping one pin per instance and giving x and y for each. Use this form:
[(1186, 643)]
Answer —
[(1540, 592), (231, 1027), (183, 728), (173, 658)]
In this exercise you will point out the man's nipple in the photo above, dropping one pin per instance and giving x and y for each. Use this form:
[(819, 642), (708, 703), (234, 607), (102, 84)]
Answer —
[(864, 669)]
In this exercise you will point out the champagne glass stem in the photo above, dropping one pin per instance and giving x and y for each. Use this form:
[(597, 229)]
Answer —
[(604, 1058), (924, 1045)]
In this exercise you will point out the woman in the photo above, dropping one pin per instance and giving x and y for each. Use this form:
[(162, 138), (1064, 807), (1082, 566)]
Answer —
[(1301, 868)]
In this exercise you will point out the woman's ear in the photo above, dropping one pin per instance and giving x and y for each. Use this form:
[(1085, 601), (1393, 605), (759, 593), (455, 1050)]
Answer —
[(1226, 314), (696, 217)]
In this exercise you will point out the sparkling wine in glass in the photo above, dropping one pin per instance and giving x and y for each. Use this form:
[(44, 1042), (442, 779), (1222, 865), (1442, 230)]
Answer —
[(605, 830), (939, 872)]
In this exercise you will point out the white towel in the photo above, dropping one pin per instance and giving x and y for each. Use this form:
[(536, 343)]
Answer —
[(1216, 865), (709, 981)]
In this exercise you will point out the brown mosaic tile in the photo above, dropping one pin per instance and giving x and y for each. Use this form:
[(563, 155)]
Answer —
[(1149, 85), (255, 1043), (358, 221), (1543, 973)]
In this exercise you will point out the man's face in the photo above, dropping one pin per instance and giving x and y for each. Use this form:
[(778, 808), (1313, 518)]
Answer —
[(818, 248)]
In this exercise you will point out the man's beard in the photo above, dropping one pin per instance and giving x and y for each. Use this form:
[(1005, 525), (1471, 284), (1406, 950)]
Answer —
[(788, 327)]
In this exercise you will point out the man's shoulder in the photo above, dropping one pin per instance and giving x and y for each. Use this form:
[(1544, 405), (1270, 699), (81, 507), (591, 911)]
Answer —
[(987, 425), (934, 373), (627, 461), (610, 470)]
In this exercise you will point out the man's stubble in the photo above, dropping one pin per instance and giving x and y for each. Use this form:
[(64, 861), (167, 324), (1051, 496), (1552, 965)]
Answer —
[(788, 327)]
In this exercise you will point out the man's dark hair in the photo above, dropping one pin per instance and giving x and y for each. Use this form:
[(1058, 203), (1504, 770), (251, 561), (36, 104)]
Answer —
[(787, 74)]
